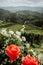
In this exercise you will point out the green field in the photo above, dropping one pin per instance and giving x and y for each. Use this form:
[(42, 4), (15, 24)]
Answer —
[(29, 29)]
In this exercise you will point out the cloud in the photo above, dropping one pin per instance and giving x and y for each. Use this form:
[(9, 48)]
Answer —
[(32, 3)]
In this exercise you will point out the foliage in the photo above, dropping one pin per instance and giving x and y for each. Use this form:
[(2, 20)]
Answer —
[(33, 38), (22, 16), (12, 39)]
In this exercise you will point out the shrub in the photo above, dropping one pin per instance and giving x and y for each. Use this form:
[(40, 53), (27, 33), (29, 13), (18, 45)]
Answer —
[(33, 38)]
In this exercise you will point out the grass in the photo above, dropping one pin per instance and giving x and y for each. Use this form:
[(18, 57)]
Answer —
[(40, 32), (11, 26), (32, 27), (29, 29), (15, 27)]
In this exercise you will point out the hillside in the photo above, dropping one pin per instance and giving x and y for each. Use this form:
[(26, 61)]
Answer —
[(29, 28), (21, 8), (22, 16)]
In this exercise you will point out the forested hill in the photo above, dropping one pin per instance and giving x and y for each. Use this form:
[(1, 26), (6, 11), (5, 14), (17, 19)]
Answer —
[(22, 8), (4, 14), (22, 16)]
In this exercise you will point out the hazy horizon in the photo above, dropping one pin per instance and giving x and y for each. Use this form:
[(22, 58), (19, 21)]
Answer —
[(15, 3)]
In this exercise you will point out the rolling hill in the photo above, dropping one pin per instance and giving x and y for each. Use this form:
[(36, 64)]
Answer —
[(21, 16), (22, 8)]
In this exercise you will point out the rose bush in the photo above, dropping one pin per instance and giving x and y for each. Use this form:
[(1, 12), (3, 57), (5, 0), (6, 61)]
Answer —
[(14, 47)]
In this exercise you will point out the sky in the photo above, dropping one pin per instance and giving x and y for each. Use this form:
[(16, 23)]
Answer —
[(31, 3)]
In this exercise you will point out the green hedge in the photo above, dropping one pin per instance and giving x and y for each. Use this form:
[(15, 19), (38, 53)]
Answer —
[(6, 25), (33, 38)]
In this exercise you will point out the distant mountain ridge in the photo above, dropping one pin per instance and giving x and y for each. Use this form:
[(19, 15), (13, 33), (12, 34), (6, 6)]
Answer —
[(21, 8), (21, 16)]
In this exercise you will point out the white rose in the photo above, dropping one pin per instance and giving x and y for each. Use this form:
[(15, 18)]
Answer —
[(4, 32), (18, 33), (23, 38), (18, 37), (11, 32)]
